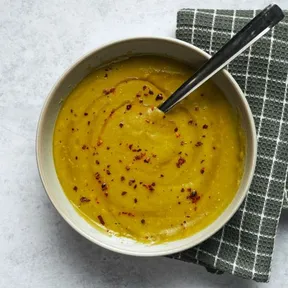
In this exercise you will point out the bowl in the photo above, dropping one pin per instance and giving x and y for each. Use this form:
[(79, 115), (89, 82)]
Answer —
[(168, 47)]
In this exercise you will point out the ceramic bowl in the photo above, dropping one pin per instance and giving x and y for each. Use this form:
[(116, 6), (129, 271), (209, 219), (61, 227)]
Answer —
[(168, 47)]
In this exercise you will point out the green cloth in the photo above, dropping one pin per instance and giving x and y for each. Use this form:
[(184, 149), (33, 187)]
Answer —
[(244, 247)]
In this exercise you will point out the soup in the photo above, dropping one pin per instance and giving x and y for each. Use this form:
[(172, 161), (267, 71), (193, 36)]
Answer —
[(135, 172)]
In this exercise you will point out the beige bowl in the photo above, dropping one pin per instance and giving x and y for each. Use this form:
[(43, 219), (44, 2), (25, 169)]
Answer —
[(157, 46)]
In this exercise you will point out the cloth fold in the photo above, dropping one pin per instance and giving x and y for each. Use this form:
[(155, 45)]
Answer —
[(244, 246)]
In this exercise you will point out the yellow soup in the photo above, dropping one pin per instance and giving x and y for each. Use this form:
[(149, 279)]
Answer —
[(135, 172)]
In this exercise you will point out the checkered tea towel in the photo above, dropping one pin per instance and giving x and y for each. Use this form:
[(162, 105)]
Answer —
[(244, 247)]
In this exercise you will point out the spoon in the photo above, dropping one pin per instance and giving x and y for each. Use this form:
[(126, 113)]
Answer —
[(249, 34)]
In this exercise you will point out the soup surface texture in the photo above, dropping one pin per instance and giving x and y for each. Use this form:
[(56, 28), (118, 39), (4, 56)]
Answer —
[(135, 172)]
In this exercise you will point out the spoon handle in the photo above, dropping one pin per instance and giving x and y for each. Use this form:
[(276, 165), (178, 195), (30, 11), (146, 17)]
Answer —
[(249, 34)]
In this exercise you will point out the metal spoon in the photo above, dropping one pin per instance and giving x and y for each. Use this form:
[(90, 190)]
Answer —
[(249, 34)]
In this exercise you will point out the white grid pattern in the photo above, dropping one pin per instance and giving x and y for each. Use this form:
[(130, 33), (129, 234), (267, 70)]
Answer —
[(262, 215)]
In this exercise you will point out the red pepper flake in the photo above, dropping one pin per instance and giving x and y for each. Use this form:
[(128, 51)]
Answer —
[(105, 91), (85, 114), (140, 156), (127, 213), (180, 162), (76, 158), (132, 181), (75, 188), (145, 94), (202, 170), (71, 110), (203, 136), (205, 126), (190, 122), (135, 200), (88, 123), (108, 148), (153, 184), (72, 129), (99, 142), (154, 155), (202, 161), (123, 193), (179, 203), (149, 187), (177, 134), (108, 172), (122, 178), (128, 107), (140, 101), (151, 92), (101, 220), (97, 162), (189, 189), (196, 108), (104, 186), (147, 160), (84, 147), (198, 144), (120, 161), (147, 120), (127, 168), (202, 94), (138, 95), (111, 113), (84, 199), (106, 75), (193, 196), (130, 146), (159, 97), (182, 189), (121, 125), (161, 175), (112, 90), (182, 143), (176, 129), (144, 87), (214, 148), (135, 186), (97, 175), (143, 221)]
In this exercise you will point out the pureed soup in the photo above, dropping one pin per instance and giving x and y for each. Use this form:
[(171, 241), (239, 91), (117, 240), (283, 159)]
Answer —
[(135, 172)]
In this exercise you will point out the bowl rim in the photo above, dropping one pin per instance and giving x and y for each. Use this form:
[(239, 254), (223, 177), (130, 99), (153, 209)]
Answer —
[(39, 135)]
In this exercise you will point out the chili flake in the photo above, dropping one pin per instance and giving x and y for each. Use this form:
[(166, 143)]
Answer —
[(205, 126), (108, 172), (131, 182), (122, 178), (123, 193), (97, 175), (101, 220), (147, 160), (159, 97), (85, 114), (99, 142), (151, 92), (84, 199), (104, 186), (135, 200), (202, 170), (198, 144), (176, 129), (128, 107), (121, 125), (180, 162), (75, 188), (97, 162), (143, 221)]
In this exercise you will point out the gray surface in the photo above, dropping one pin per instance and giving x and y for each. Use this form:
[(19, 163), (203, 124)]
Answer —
[(39, 39)]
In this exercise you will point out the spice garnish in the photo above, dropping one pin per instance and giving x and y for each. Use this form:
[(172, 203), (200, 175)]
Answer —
[(101, 220), (128, 107), (135, 200), (147, 160), (180, 162), (123, 193), (202, 170), (75, 188), (85, 114), (84, 199), (143, 221), (99, 142), (121, 125), (97, 175), (159, 97), (104, 186), (122, 178), (199, 143), (205, 126)]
